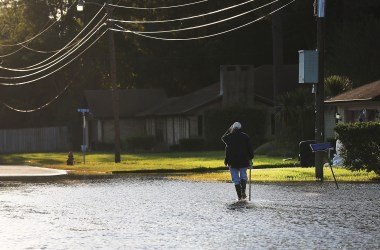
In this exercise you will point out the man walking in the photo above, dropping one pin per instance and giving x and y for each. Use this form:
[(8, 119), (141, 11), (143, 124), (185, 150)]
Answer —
[(239, 155)]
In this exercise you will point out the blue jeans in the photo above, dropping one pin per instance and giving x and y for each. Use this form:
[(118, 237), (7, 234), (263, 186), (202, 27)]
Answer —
[(238, 174)]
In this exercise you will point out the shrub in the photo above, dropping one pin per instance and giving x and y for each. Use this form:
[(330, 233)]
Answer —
[(191, 144), (140, 143), (361, 145)]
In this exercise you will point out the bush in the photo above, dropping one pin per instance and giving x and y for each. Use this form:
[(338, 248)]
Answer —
[(361, 145), (191, 144), (140, 143)]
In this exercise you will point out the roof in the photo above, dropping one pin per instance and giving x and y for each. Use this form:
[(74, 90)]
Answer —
[(368, 92), (131, 101), (187, 103)]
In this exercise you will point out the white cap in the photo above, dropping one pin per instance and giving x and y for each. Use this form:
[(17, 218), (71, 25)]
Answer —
[(236, 125)]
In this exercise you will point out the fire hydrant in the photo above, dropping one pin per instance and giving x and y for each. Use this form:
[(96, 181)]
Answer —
[(70, 158)]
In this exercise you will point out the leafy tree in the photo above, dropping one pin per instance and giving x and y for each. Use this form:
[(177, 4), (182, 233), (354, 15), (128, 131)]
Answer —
[(335, 85), (296, 116)]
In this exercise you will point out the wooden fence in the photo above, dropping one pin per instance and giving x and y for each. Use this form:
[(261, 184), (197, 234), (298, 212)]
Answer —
[(51, 139)]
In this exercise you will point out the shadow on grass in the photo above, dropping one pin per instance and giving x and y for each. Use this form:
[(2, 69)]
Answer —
[(192, 170), (22, 160)]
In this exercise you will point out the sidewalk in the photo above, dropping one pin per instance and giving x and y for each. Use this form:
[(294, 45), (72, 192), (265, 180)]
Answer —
[(25, 171)]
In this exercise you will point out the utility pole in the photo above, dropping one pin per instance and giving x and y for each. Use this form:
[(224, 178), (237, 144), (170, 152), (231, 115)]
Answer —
[(114, 88), (319, 90)]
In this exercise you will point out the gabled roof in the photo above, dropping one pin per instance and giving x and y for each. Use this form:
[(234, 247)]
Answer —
[(131, 101), (187, 103), (368, 92)]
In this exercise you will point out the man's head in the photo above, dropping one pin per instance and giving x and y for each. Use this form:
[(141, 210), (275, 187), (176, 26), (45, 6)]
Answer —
[(236, 125)]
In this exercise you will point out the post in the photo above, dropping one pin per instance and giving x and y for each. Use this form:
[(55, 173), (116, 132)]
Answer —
[(114, 88), (319, 90), (84, 146)]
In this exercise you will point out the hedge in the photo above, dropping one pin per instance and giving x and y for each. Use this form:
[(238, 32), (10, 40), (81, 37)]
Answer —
[(361, 145)]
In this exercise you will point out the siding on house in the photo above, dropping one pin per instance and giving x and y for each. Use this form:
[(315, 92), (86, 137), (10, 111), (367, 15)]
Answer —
[(330, 122), (50, 139), (128, 128)]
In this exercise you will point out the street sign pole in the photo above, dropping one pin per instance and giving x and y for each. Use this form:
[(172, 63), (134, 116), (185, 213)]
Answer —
[(84, 146)]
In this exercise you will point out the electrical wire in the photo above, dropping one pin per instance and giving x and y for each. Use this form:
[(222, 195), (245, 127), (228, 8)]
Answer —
[(157, 8), (38, 34), (35, 66), (184, 18), (136, 33), (124, 30), (64, 65), (37, 108), (62, 57), (11, 53), (208, 24), (46, 51)]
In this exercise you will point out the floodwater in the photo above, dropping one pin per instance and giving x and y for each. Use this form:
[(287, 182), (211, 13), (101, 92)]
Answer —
[(139, 212)]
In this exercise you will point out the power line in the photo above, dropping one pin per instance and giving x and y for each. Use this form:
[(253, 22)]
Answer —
[(11, 53), (38, 34), (157, 8), (207, 24), (37, 108), (64, 65), (35, 66), (62, 57), (47, 51), (181, 19), (124, 30)]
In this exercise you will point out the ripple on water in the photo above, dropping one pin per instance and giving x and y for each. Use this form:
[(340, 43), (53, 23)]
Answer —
[(155, 213)]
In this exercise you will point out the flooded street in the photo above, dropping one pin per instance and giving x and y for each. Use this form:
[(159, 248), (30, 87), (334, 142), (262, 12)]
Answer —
[(124, 212)]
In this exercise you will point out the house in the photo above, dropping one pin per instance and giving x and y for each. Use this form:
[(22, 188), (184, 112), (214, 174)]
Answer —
[(131, 103), (359, 104), (149, 112)]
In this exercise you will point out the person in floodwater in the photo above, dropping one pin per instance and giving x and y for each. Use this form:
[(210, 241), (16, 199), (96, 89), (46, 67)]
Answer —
[(239, 155)]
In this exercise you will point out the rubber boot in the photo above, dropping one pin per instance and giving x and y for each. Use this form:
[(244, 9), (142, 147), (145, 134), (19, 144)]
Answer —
[(238, 191), (243, 184)]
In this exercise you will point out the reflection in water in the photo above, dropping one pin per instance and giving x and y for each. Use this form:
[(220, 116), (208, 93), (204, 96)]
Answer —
[(156, 213)]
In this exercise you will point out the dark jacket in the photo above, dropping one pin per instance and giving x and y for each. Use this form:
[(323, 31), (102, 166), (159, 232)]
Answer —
[(239, 151)]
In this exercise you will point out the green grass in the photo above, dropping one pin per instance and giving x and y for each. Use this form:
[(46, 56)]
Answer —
[(200, 166), (104, 162), (285, 175)]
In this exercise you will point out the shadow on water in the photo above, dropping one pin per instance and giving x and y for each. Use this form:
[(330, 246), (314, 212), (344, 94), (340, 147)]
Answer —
[(240, 205)]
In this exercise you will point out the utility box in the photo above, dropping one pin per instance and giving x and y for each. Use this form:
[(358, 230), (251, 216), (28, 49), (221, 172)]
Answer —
[(308, 66)]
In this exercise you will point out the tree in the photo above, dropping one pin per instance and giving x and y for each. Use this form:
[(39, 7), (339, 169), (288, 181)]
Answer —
[(335, 85), (296, 117)]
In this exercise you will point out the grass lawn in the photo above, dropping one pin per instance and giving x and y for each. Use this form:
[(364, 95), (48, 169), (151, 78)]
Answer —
[(200, 166), (285, 174)]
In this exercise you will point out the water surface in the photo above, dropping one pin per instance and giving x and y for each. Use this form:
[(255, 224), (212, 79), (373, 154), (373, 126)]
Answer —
[(140, 212)]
